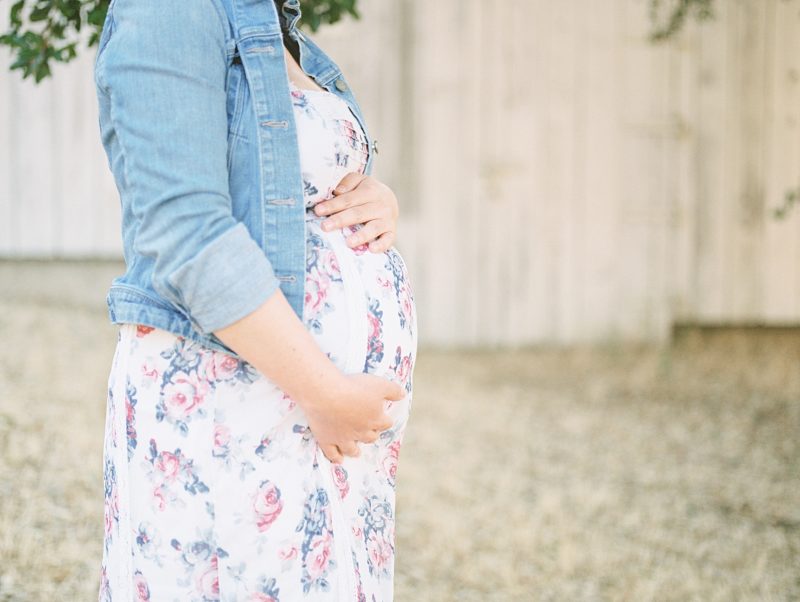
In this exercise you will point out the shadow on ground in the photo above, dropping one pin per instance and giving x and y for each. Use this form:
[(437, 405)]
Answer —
[(614, 473)]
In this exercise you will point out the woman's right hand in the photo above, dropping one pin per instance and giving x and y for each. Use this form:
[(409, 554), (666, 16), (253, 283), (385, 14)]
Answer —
[(342, 409), (353, 412)]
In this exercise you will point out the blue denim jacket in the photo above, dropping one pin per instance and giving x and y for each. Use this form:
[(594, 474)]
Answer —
[(196, 119)]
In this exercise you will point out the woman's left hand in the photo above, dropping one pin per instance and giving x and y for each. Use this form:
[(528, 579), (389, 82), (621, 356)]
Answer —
[(361, 199)]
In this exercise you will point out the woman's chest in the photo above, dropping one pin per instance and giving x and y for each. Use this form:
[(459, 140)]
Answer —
[(327, 142), (331, 142)]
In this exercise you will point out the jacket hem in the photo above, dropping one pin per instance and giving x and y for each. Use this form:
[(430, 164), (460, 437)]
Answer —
[(129, 305)]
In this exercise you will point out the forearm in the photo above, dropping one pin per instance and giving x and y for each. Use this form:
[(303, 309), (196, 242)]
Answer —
[(274, 340)]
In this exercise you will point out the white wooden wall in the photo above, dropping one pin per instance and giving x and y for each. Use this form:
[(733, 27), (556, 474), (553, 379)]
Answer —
[(560, 178), (57, 196)]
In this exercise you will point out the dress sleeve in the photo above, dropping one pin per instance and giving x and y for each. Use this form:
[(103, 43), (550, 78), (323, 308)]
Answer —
[(164, 72)]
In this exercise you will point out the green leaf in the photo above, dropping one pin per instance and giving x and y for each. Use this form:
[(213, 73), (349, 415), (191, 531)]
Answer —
[(60, 20), (40, 13), (16, 9)]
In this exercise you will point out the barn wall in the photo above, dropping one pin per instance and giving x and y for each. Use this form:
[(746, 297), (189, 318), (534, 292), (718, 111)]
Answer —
[(560, 178)]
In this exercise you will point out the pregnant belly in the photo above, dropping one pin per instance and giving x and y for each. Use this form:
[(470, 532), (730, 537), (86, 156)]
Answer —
[(359, 305)]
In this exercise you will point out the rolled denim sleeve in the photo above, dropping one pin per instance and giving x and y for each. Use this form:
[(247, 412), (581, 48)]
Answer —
[(164, 72)]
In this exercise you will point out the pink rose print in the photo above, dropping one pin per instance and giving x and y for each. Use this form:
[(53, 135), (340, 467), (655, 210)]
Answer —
[(380, 551), (375, 323), (340, 478), (384, 283), (111, 510), (149, 371), (288, 553), (290, 402), (208, 581), (390, 533), (142, 330), (183, 395), (221, 366), (331, 264), (267, 504), (404, 369), (316, 292), (319, 555), (141, 587), (408, 309), (169, 464), (158, 497), (172, 473), (389, 462), (222, 435)]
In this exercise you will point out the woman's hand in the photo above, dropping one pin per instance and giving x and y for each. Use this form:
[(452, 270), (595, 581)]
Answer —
[(353, 412), (361, 199), (342, 409)]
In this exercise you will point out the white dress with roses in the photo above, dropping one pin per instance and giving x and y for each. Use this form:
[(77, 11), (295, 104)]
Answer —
[(215, 488)]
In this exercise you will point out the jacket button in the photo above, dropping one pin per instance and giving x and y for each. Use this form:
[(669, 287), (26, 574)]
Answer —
[(340, 85)]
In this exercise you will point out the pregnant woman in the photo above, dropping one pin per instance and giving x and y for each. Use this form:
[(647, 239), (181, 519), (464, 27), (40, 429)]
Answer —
[(262, 378)]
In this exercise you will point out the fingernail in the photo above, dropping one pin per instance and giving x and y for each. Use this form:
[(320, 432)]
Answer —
[(319, 209)]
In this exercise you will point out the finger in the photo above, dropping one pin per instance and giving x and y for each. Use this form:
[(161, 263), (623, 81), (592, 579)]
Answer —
[(394, 391), (350, 449), (361, 210), (382, 243), (370, 436), (349, 216), (341, 202), (345, 217), (360, 216), (368, 232), (332, 453), (338, 203), (384, 424), (349, 182)]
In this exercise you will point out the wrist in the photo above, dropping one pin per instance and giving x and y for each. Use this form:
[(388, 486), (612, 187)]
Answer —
[(321, 391)]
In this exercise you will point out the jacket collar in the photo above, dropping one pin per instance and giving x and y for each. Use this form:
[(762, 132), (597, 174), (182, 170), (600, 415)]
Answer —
[(288, 13)]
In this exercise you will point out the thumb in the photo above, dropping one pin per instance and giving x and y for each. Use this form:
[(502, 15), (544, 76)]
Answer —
[(349, 182)]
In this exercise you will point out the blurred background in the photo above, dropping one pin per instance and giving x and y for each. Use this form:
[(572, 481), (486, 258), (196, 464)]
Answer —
[(603, 233)]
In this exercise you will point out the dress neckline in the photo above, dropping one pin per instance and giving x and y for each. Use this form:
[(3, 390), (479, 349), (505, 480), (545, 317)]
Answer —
[(312, 90)]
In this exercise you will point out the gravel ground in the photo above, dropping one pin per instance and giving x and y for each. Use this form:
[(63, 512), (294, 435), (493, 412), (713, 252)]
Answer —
[(597, 473)]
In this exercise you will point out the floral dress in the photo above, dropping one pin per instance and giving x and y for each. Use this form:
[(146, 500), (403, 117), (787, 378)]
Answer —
[(215, 488)]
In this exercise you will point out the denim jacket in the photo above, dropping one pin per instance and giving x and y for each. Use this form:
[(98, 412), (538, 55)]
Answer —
[(197, 123)]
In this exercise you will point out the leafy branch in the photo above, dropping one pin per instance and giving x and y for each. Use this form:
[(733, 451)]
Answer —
[(53, 34), (45, 31), (316, 13), (666, 22), (790, 199)]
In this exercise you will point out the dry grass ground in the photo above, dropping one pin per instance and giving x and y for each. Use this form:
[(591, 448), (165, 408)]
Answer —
[(624, 473)]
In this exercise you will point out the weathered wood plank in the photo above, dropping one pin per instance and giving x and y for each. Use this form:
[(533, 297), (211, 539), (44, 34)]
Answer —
[(780, 273), (560, 179)]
